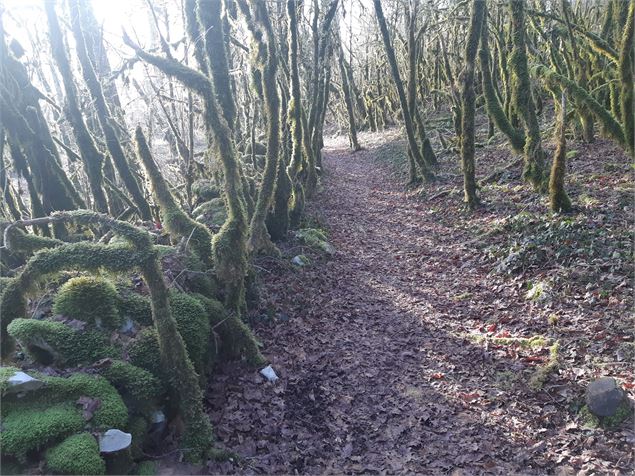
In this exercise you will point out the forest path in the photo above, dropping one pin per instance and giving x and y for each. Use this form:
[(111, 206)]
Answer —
[(371, 379)]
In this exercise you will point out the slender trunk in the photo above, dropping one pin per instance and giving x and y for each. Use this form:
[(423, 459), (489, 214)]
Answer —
[(534, 169), (427, 173), (558, 198), (352, 128), (468, 107), (92, 158), (105, 117)]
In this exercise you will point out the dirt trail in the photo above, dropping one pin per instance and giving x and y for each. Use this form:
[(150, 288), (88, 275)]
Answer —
[(374, 375)]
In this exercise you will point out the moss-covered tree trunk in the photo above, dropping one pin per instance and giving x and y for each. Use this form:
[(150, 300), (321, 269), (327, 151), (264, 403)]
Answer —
[(105, 116), (296, 168), (558, 198), (266, 62), (348, 100), (534, 168), (626, 80), (92, 158), (394, 69), (427, 152), (321, 61), (495, 109), (468, 105)]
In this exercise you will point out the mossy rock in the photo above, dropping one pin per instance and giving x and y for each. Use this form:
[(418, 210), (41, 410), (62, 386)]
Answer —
[(212, 212), (47, 415), (205, 190), (623, 413), (315, 238), (112, 412), (77, 454), (136, 307), (51, 342), (90, 299), (138, 387), (33, 426)]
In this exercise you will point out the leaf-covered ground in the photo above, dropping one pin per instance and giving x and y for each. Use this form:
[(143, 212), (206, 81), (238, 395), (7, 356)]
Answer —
[(435, 340)]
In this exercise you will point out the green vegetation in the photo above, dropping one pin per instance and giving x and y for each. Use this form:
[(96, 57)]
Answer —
[(133, 383), (34, 426), (77, 454), (49, 342), (136, 307), (89, 299)]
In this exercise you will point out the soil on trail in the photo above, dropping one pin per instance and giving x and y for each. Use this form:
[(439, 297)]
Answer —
[(376, 375)]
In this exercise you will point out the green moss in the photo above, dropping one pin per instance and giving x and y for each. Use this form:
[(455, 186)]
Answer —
[(136, 385), (540, 377), (4, 281), (624, 412), (144, 351), (136, 307), (212, 212), (146, 468), (89, 299), (138, 428), (180, 226), (77, 454), (205, 190), (25, 244), (48, 342), (111, 414), (315, 238), (193, 325), (236, 339), (587, 418), (531, 342), (35, 425)]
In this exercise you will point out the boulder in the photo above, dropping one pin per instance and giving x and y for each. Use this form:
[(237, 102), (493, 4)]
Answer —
[(604, 397)]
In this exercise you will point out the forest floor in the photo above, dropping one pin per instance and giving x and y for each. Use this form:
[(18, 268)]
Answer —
[(410, 350)]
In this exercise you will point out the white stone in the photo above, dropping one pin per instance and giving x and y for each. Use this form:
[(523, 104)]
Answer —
[(114, 440), (269, 373), (21, 382), (157, 417)]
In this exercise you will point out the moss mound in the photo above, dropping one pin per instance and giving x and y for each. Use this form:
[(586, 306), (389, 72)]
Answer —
[(112, 413), (47, 415), (136, 307), (77, 454), (205, 190), (33, 426), (48, 342), (315, 238), (89, 299), (193, 325), (144, 352), (137, 386), (211, 212)]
